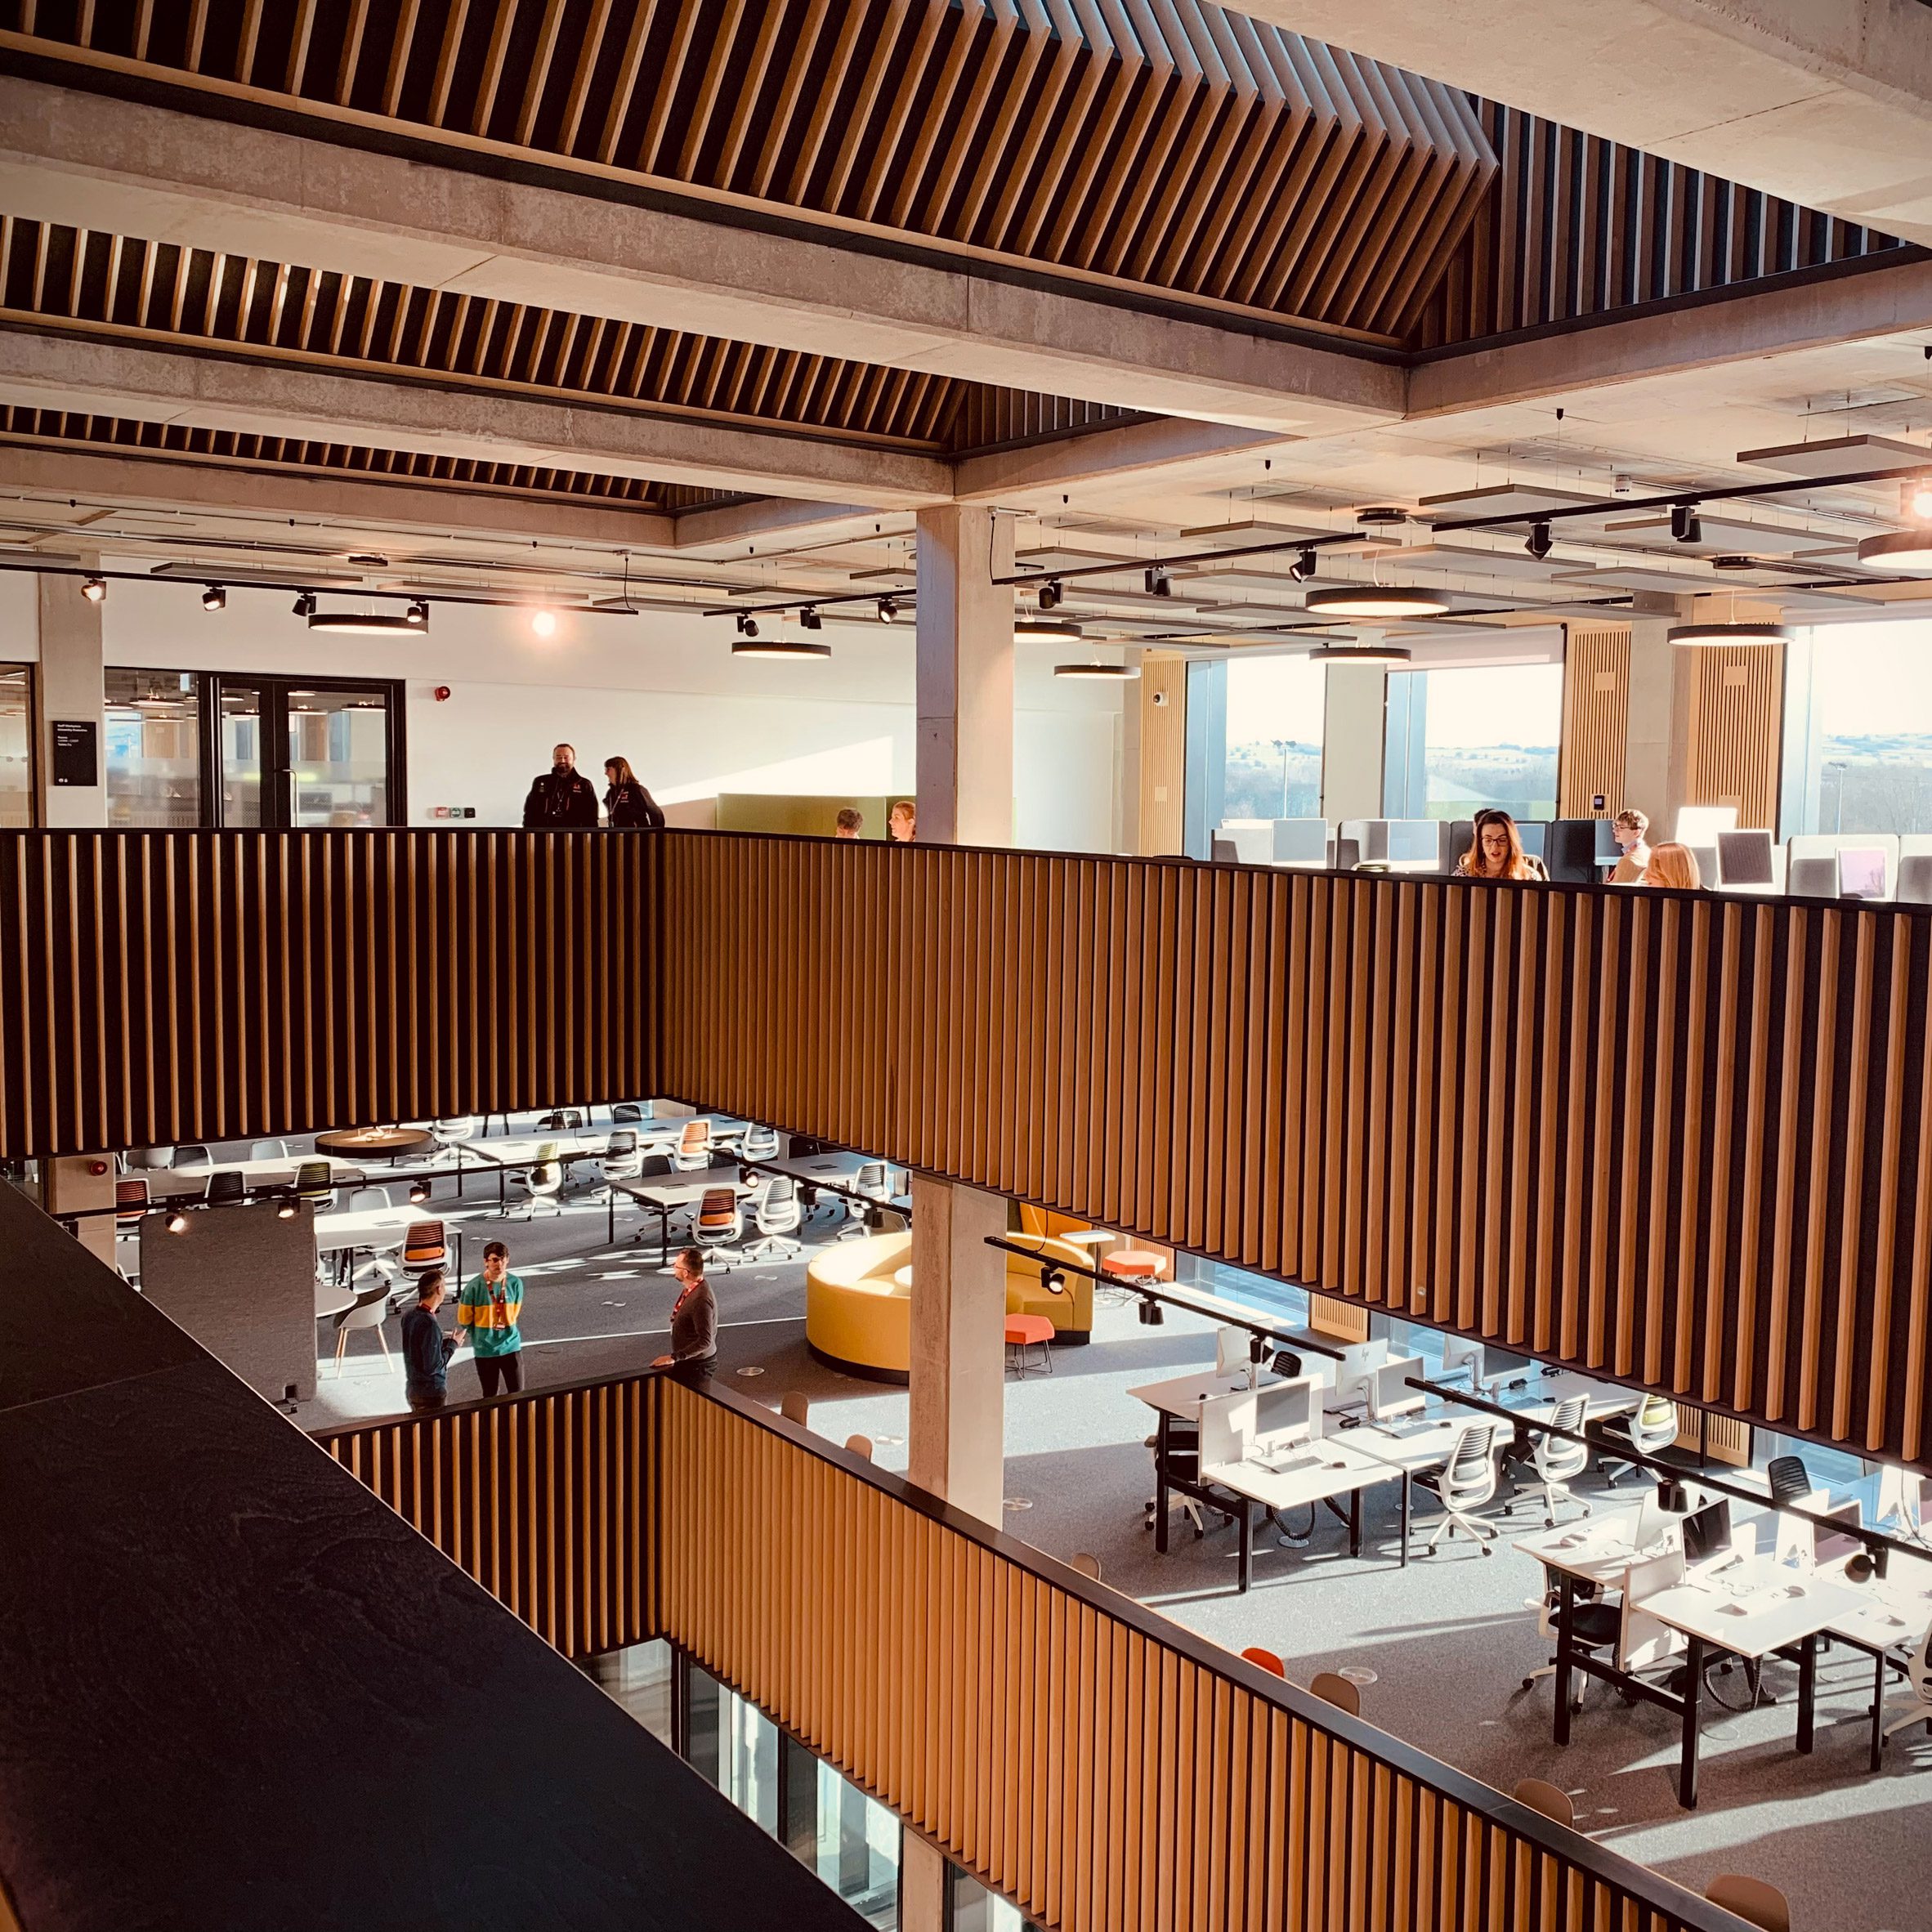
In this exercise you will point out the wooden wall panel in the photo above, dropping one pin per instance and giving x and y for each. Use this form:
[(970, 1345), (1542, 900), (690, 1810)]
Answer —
[(163, 986), (1596, 717), (1682, 1140), (1734, 724), (1162, 774)]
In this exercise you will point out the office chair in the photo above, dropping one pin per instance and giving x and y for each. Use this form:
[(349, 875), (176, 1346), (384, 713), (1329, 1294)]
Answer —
[(1915, 879), (426, 1244), (1265, 1660), (628, 1112), (268, 1150), (718, 1224), (1337, 1691), (777, 1215), (1556, 1460), (131, 1203), (1813, 879), (859, 1446), (193, 1154), (1753, 1901), (314, 1182), (889, 1221), (623, 1160), (1087, 1564), (1918, 1680), (563, 1120), (370, 1310), (1593, 1624), (1790, 1480), (368, 1200), (543, 1181), (1184, 1460), (226, 1188), (150, 1157), (450, 1135), (1547, 1798), (1652, 1428), (1462, 1485), (759, 1144), (795, 1408), (694, 1148)]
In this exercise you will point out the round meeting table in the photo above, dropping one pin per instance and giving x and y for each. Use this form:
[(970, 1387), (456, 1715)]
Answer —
[(375, 1144)]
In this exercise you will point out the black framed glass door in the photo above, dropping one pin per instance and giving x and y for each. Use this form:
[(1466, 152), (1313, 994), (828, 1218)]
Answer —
[(305, 751)]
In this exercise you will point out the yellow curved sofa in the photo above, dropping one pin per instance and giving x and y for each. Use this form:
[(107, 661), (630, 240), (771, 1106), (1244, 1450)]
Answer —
[(858, 1318)]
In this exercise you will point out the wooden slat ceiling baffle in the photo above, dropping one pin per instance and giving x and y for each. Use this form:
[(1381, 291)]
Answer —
[(1576, 226), (1420, 1095), (160, 987), (1596, 718), (1171, 145), (246, 451)]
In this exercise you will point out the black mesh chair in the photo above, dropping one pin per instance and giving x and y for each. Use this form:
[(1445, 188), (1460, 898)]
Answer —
[(1790, 1480)]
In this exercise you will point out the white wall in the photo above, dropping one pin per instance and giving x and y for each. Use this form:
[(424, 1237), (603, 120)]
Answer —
[(20, 617), (661, 689)]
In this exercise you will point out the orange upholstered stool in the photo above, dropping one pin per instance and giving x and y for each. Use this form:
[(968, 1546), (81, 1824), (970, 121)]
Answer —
[(1132, 1264), (1024, 1332)]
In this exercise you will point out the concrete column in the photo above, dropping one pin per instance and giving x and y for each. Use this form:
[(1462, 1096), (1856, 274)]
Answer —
[(69, 687), (1657, 741), (73, 1184), (922, 1884), (1354, 723), (955, 1437), (964, 678)]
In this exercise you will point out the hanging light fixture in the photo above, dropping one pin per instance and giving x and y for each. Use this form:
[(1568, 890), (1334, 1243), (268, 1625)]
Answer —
[(1908, 550), (796, 648), (215, 597), (543, 622), (1152, 1315), (1918, 500), (361, 623), (94, 588), (418, 1192), (1046, 630), (1359, 654), (1748, 632), (1119, 674), (1369, 601)]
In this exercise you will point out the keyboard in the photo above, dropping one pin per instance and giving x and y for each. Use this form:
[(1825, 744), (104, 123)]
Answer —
[(1401, 1431), (1288, 1465)]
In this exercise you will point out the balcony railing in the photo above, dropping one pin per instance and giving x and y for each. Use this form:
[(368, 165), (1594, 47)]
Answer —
[(1102, 1767)]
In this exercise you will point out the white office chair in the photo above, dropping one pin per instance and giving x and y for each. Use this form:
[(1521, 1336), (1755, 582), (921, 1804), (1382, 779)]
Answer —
[(450, 1135), (776, 1216), (759, 1144), (370, 1310), (694, 1148), (720, 1221), (1651, 1430), (874, 1181), (268, 1150), (623, 1160), (1462, 1485), (538, 1184), (1556, 1460), (1918, 1679), (367, 1199)]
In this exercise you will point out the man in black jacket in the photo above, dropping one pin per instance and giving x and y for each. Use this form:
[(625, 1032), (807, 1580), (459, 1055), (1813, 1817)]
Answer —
[(561, 799)]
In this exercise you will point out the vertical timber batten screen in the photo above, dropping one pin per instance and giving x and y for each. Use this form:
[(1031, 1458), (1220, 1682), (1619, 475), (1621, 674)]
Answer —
[(162, 987), (1683, 1139)]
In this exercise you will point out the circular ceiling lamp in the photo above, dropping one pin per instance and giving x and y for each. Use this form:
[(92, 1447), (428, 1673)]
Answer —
[(1744, 631), (365, 623), (1117, 673), (1374, 602), (792, 648), (1359, 654), (1048, 630), (1901, 550)]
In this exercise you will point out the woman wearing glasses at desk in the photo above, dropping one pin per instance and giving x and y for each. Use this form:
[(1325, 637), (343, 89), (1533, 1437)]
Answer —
[(1496, 851)]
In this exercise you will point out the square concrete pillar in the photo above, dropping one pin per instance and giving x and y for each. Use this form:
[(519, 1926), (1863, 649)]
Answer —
[(1353, 731), (70, 688), (1656, 740), (964, 681), (955, 1438)]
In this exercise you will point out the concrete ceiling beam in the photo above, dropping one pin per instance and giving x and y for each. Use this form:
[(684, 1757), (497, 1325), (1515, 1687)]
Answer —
[(207, 391), (129, 168), (767, 525), (1827, 103)]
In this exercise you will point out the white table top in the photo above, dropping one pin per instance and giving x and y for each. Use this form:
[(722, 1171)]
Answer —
[(1420, 1452), (1183, 1395), (670, 1190), (166, 1183), (654, 1136), (1600, 1548), (1537, 1402), (1340, 1467), (1895, 1609), (368, 1228), (1752, 1607)]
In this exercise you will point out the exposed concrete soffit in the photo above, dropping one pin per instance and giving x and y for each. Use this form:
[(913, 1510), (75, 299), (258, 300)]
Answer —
[(158, 385), (1826, 102), (173, 482), (91, 162)]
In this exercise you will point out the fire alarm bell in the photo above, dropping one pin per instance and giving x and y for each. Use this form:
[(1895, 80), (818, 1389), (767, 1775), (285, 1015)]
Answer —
[(442, 694)]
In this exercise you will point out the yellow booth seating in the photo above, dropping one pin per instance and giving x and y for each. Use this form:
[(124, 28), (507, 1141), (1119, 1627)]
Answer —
[(858, 1313)]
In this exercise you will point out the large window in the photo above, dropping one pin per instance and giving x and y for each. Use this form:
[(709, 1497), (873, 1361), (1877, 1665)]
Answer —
[(1273, 764), (16, 745), (1481, 735), (1859, 730), (153, 748)]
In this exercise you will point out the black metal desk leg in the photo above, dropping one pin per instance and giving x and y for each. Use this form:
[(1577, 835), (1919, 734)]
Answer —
[(1247, 1542), (663, 1236), (1878, 1709), (1693, 1686), (1406, 1480), (611, 1229), (1807, 1690), (1355, 1524), (1566, 1602), (1160, 1439)]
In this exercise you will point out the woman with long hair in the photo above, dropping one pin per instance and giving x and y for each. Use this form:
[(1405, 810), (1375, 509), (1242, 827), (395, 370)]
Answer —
[(1675, 866), (627, 803), (1496, 851)]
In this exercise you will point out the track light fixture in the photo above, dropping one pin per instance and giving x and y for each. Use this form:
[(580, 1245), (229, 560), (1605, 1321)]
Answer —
[(1050, 594), (1303, 566), (1158, 583), (1258, 1349), (215, 597), (888, 610), (286, 1211), (1152, 1315), (1538, 542), (178, 1222), (747, 627), (1684, 526), (809, 618), (417, 616), (94, 588), (305, 604), (1053, 1280), (418, 1192)]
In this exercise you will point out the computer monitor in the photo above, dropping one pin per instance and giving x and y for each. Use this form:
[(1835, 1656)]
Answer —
[(1231, 1353), (1744, 858), (1301, 841), (1608, 852), (1861, 872), (1505, 1366), (1535, 835), (1707, 1531), (1700, 825), (1389, 1392), (1414, 841), (1284, 1412), (1464, 1359)]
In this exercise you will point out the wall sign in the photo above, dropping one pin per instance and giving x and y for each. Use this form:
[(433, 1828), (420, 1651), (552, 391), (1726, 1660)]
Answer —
[(76, 751)]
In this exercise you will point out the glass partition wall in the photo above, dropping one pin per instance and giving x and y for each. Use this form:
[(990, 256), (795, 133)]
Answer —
[(16, 745)]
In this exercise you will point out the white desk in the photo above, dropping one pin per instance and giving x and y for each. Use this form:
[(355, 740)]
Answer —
[(1339, 1468), (373, 1228), (663, 1195), (1537, 1401), (1183, 1395), (172, 1184), (1894, 1609)]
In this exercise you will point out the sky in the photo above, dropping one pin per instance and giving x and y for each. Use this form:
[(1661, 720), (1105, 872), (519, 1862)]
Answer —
[(1280, 697)]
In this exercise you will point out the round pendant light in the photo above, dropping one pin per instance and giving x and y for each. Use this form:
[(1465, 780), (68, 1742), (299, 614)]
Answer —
[(1743, 632), (1372, 601), (1052, 630), (1901, 550), (1116, 672), (1359, 654), (795, 648)]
